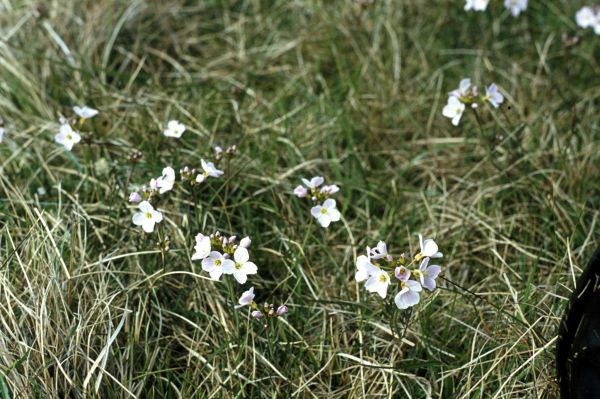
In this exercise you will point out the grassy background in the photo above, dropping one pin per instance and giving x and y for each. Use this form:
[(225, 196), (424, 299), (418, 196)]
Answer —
[(89, 308)]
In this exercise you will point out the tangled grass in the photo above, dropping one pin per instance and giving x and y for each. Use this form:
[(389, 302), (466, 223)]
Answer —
[(350, 90)]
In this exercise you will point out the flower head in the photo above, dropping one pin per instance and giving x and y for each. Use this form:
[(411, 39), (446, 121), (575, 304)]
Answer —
[(378, 282), (210, 169), (85, 112), (464, 89), (326, 213), (216, 264), (429, 248), (454, 110), (427, 274), (242, 266), (147, 217), (493, 95), (174, 129), (364, 268), (67, 137), (515, 6), (202, 247), (408, 295), (166, 181), (247, 297), (476, 5)]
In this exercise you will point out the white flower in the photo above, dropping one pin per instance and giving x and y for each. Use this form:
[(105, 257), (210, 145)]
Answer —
[(331, 189), (585, 17), (428, 274), (174, 129), (246, 298), (515, 6), (245, 242), (85, 112), (147, 217), (300, 192), (67, 137), (326, 213), (202, 247), (463, 88), (409, 295), (429, 248), (216, 264), (454, 110), (477, 5), (209, 170), (314, 182), (364, 268), (242, 266), (166, 181), (380, 251), (1, 133), (378, 282), (493, 95)]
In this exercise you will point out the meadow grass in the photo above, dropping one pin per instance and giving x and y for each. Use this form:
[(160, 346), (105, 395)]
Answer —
[(353, 91)]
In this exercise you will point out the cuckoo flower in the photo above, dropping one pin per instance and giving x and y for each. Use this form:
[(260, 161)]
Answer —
[(147, 217), (326, 213)]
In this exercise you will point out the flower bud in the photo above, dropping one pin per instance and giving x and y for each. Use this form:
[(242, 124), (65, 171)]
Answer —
[(300, 192), (257, 314), (135, 197), (245, 242), (281, 310)]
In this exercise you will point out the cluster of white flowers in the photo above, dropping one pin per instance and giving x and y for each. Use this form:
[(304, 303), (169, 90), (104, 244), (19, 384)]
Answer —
[(193, 176), (325, 210), (466, 94), (147, 217), (589, 17), (514, 6), (377, 266), (224, 255), (67, 136), (221, 255), (268, 310)]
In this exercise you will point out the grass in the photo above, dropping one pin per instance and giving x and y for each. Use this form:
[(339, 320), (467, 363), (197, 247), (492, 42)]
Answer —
[(90, 308)]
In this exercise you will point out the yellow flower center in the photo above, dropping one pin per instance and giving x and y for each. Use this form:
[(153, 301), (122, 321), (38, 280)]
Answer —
[(148, 215), (238, 266), (69, 137), (324, 211), (383, 278), (218, 262)]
